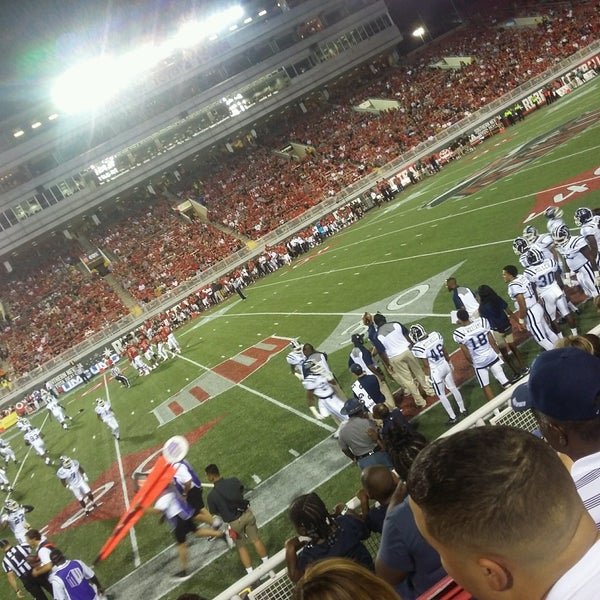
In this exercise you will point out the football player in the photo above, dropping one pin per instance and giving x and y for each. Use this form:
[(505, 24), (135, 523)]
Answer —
[(480, 349), (14, 519), (542, 241), (555, 220), (56, 410), (530, 313), (74, 478), (4, 482), (106, 414), (544, 274), (23, 423), (590, 230), (7, 452), (580, 260), (429, 347), (520, 247), (317, 386), (33, 437)]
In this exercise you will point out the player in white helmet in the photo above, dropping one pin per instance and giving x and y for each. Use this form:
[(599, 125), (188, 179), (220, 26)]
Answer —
[(520, 246), (296, 359), (580, 260), (7, 452), (74, 478), (33, 437), (23, 423), (590, 230), (14, 519), (318, 387), (436, 364), (106, 414), (555, 220), (57, 411), (4, 482), (544, 274)]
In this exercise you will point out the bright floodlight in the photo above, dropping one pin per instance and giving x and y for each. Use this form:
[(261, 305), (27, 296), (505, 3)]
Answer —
[(92, 83), (419, 32)]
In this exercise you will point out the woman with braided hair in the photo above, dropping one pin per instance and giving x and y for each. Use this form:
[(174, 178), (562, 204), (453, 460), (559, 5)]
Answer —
[(322, 535)]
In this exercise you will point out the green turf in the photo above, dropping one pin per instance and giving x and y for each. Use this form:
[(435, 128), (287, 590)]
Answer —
[(393, 248)]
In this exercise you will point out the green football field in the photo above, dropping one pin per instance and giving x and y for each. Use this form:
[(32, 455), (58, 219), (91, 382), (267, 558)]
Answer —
[(231, 390)]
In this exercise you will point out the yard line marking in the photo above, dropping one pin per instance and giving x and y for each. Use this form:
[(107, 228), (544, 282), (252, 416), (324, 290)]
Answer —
[(264, 397), (134, 545)]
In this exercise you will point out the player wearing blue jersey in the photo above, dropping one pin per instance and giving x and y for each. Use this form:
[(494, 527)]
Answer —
[(480, 349), (430, 349)]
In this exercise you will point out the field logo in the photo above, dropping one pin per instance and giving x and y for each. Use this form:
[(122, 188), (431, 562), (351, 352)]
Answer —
[(569, 191), (409, 305)]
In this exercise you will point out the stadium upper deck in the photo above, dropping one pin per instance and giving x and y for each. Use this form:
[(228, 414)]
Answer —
[(62, 167)]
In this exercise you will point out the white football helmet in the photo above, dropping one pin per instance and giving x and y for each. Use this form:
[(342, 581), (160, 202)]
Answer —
[(530, 233), (100, 402), (583, 215), (66, 462), (417, 332), (561, 235), (520, 245), (553, 212), (11, 505)]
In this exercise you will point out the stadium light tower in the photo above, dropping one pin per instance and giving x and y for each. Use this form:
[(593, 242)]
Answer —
[(419, 32)]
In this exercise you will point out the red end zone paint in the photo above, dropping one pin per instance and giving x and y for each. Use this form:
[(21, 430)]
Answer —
[(108, 490), (573, 189)]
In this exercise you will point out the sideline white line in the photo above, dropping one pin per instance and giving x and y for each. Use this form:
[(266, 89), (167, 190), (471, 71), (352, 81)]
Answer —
[(264, 396), (134, 545)]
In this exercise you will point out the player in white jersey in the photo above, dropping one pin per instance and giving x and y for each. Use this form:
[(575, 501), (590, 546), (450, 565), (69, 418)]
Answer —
[(296, 359), (555, 220), (544, 274), (580, 261), (318, 387), (480, 349), (141, 367), (23, 423), (4, 482), (56, 410), (436, 364), (520, 247), (590, 230), (7, 452), (542, 241), (33, 437), (530, 313), (74, 478), (14, 519), (106, 414)]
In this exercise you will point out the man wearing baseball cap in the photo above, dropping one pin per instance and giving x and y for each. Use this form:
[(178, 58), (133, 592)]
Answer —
[(564, 393), (358, 437)]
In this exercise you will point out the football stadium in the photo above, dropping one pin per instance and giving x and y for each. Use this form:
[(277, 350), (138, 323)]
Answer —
[(196, 216)]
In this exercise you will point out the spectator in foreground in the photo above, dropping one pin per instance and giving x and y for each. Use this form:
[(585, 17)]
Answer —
[(328, 536), (564, 392), (538, 542), (341, 579)]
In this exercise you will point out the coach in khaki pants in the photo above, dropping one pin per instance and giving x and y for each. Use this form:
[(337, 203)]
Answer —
[(393, 346), (227, 499)]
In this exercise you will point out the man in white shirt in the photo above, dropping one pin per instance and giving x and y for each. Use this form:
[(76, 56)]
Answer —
[(503, 513), (564, 393)]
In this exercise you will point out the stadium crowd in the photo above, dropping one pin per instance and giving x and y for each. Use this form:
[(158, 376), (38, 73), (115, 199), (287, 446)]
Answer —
[(252, 191)]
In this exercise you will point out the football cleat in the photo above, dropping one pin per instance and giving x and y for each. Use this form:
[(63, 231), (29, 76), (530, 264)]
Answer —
[(583, 215), (561, 235), (553, 213), (534, 257), (417, 332), (530, 233)]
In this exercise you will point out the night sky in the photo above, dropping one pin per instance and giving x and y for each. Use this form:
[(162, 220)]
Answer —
[(41, 38)]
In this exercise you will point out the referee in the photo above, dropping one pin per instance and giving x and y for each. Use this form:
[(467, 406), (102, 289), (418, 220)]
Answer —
[(15, 565)]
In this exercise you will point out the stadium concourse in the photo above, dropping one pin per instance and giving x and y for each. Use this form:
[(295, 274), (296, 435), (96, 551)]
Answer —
[(251, 192)]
